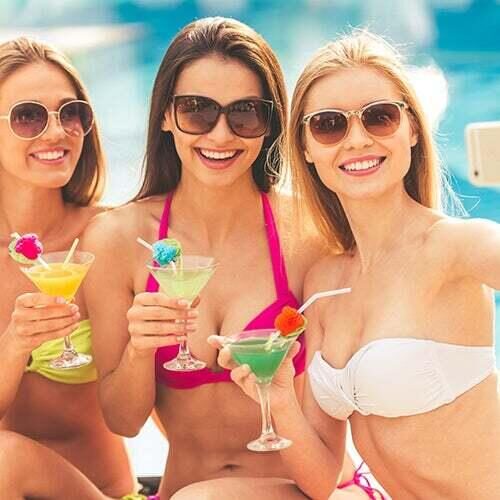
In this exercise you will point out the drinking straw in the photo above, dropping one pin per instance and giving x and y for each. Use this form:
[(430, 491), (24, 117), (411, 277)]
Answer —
[(39, 258), (71, 252), (303, 307)]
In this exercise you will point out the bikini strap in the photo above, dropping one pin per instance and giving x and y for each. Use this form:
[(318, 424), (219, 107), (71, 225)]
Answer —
[(152, 284), (277, 259)]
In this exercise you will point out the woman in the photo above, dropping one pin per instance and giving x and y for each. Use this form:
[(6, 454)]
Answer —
[(217, 116), (51, 176), (408, 356)]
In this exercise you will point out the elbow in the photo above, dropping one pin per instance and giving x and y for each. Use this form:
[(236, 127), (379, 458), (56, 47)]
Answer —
[(123, 427)]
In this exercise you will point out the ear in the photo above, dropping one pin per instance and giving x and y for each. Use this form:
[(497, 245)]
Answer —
[(413, 137), (167, 123)]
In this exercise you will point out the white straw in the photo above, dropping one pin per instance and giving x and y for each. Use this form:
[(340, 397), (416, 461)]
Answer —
[(145, 244), (320, 295), (71, 251)]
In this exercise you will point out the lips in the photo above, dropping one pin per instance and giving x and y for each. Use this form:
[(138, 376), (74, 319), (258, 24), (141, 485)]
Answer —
[(363, 165), (218, 159), (50, 156)]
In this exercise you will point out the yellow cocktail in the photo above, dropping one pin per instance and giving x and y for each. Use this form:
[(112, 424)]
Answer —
[(60, 279)]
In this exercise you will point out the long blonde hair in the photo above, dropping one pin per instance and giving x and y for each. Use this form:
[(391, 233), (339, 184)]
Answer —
[(423, 180), (87, 182)]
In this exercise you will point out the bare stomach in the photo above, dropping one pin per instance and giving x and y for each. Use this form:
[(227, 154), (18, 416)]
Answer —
[(452, 452), (67, 419)]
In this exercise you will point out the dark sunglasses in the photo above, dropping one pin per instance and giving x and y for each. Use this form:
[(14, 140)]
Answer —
[(380, 119), (30, 119), (247, 118)]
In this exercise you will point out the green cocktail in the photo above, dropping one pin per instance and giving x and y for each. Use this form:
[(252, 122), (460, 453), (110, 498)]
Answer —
[(184, 280), (264, 356)]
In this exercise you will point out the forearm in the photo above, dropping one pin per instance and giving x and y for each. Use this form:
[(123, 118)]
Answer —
[(13, 365), (311, 464), (127, 394)]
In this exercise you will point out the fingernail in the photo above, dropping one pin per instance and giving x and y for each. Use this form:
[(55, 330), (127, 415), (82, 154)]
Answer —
[(193, 313), (191, 321), (73, 308), (190, 327), (60, 300), (182, 302)]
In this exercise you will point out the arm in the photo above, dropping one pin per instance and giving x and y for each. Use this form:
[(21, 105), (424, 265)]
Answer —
[(127, 328), (36, 318), (315, 459), (475, 247)]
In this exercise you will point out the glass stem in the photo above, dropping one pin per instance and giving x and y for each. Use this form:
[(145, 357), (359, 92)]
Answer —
[(68, 346), (184, 350), (265, 408)]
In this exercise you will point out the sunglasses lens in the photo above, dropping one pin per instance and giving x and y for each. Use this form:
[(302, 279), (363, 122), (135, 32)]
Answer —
[(28, 119), (76, 118), (381, 119), (328, 127), (249, 118), (195, 115)]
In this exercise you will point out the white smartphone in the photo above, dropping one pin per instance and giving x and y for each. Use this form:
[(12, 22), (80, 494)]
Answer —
[(483, 151)]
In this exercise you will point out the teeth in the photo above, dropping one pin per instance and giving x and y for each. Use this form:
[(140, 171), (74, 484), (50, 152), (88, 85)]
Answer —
[(362, 165), (217, 155), (49, 155)]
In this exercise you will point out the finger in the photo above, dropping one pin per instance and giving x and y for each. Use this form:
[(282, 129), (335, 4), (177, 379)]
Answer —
[(40, 338), (225, 359), (45, 312), (240, 374), (139, 328), (196, 301), (160, 299), (38, 299), (156, 341), (160, 313), (294, 350), (50, 325), (217, 341)]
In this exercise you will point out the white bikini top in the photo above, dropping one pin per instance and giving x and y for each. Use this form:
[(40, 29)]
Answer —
[(397, 377)]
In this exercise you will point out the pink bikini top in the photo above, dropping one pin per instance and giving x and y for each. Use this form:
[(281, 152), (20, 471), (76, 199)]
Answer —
[(265, 319)]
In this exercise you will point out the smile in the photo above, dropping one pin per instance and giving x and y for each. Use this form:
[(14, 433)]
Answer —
[(362, 166), (218, 155)]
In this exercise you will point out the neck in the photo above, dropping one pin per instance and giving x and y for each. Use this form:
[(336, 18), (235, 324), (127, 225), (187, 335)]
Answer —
[(27, 209), (379, 224), (214, 213)]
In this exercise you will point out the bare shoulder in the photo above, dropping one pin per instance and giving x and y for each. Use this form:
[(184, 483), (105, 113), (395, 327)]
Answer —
[(119, 227), (326, 273), (302, 244)]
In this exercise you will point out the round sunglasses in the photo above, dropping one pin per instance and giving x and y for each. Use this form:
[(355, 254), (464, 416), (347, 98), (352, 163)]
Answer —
[(379, 119), (29, 119), (247, 118)]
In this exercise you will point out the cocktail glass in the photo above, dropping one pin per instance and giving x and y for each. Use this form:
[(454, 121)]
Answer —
[(253, 347), (184, 280), (62, 280)]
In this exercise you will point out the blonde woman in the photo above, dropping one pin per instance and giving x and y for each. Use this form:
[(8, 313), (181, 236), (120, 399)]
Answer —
[(51, 177), (408, 356)]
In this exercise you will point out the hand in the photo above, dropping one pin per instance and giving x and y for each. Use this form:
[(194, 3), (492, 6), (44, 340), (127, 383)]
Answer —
[(282, 387), (38, 317), (156, 321)]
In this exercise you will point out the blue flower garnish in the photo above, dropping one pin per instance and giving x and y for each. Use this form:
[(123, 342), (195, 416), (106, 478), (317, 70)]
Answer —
[(164, 254)]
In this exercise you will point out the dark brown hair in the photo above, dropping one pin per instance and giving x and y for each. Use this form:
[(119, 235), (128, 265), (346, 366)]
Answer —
[(87, 182), (229, 39)]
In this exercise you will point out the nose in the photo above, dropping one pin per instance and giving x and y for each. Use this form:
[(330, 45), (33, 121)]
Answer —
[(357, 137), (221, 133), (54, 129)]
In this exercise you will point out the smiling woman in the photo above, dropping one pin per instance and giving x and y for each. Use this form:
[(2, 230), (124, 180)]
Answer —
[(218, 113), (51, 177)]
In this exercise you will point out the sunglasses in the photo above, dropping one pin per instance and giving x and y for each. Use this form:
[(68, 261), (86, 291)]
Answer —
[(247, 118), (379, 119), (29, 119)]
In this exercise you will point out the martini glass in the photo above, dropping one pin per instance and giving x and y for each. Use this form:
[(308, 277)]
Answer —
[(264, 356), (184, 281), (62, 280)]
